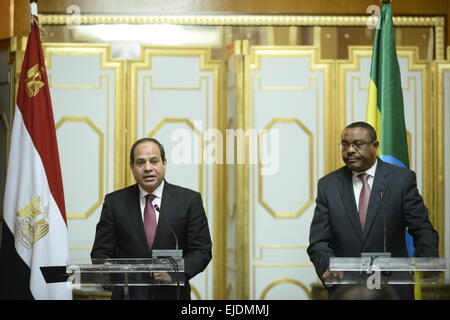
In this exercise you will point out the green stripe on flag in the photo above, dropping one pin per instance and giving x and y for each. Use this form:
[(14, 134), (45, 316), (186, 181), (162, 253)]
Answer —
[(385, 111), (385, 75)]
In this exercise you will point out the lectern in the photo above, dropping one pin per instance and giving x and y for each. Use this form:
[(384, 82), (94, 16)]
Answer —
[(374, 270), (118, 272)]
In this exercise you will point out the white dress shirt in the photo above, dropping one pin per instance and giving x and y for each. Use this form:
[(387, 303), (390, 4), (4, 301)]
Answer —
[(358, 184), (156, 201)]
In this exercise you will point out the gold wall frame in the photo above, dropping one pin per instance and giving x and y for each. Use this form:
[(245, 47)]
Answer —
[(310, 199), (253, 56), (100, 134), (436, 22), (195, 131), (107, 63), (295, 282), (439, 183)]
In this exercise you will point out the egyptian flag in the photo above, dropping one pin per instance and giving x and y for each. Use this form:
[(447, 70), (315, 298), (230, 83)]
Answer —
[(385, 110), (35, 228)]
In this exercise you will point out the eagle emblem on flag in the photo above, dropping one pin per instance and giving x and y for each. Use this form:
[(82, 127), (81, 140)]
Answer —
[(34, 81), (31, 223)]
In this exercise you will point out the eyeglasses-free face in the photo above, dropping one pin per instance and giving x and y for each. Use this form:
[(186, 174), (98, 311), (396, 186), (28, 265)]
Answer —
[(148, 167)]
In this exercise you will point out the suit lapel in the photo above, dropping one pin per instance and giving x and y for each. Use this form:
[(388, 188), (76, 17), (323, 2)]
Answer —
[(134, 208), (348, 199), (165, 214), (380, 183)]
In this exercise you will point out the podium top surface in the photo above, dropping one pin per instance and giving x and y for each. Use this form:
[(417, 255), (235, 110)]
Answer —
[(388, 264)]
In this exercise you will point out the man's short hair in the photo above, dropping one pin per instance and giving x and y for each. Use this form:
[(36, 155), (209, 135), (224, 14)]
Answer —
[(142, 140), (360, 124)]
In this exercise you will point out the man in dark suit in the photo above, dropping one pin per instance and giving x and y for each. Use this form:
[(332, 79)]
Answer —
[(366, 206), (130, 227)]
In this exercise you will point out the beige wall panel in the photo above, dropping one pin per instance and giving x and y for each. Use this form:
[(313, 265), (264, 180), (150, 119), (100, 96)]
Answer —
[(289, 92)]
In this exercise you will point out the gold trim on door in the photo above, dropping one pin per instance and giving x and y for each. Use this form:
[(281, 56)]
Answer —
[(253, 63), (107, 63), (219, 122)]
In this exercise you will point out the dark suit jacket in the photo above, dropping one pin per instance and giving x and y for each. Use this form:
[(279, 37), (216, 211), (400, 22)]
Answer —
[(336, 230), (120, 234)]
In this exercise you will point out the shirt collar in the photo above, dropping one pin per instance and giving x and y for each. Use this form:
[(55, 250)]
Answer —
[(370, 171), (157, 192)]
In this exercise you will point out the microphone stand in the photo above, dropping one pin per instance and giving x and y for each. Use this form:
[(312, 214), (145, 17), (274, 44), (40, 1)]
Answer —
[(170, 254), (386, 274)]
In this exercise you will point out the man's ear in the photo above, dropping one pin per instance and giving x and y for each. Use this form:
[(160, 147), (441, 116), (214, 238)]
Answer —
[(376, 144)]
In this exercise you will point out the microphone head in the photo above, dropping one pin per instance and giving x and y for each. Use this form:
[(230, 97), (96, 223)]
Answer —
[(156, 207), (381, 190)]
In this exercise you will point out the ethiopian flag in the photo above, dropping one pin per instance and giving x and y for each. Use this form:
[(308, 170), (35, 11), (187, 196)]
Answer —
[(385, 101)]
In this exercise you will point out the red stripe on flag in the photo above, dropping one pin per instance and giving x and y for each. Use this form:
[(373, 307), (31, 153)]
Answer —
[(33, 100)]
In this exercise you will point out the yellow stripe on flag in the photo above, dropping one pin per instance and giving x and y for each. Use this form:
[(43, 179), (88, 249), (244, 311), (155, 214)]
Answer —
[(373, 116)]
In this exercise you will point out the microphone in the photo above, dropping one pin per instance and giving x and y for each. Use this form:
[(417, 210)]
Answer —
[(380, 193), (172, 255), (384, 254), (170, 252)]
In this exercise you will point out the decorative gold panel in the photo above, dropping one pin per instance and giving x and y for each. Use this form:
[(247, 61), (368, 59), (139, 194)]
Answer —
[(310, 200), (239, 20), (275, 246), (438, 23), (145, 63), (107, 63), (189, 123), (217, 121), (100, 164), (327, 129), (196, 293), (440, 186), (295, 282)]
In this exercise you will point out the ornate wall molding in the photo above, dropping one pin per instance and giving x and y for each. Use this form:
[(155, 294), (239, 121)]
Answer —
[(235, 20)]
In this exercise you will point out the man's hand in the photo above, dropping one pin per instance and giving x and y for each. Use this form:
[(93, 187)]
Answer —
[(332, 274), (162, 276)]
